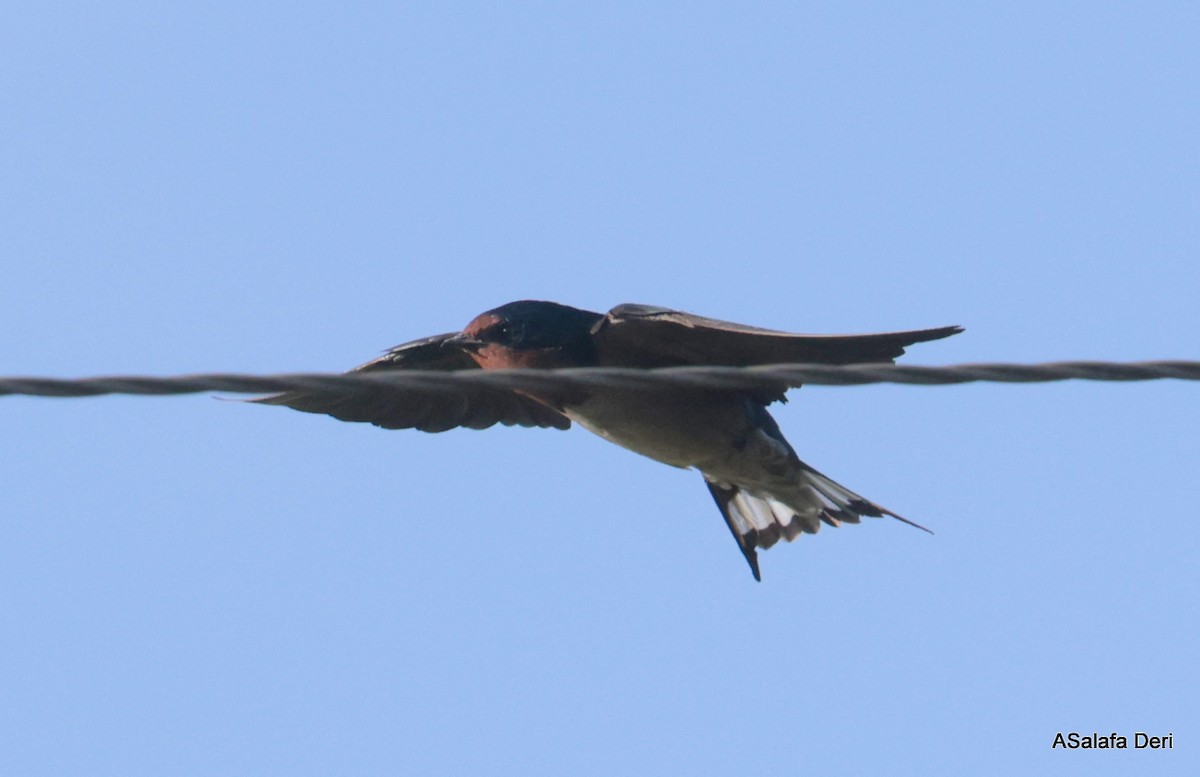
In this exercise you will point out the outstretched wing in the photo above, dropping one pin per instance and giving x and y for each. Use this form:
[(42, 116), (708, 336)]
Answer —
[(476, 408), (647, 336)]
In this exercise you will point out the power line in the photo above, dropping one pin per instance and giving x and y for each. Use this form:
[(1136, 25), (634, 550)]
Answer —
[(660, 379)]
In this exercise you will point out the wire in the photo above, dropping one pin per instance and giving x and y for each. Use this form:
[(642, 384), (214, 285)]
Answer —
[(661, 379)]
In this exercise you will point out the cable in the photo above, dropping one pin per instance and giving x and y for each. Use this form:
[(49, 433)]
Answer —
[(661, 379)]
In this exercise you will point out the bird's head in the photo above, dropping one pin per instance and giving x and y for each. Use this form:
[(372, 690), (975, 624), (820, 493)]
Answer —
[(530, 334)]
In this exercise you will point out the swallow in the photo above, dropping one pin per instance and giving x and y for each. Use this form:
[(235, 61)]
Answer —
[(763, 490)]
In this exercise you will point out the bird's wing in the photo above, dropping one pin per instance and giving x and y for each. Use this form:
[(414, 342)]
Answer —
[(647, 336), (476, 408)]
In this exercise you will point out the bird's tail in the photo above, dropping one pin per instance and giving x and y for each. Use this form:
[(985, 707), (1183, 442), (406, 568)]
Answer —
[(759, 520)]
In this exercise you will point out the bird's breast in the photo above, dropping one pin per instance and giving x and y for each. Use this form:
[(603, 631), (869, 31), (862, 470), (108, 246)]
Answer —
[(683, 429)]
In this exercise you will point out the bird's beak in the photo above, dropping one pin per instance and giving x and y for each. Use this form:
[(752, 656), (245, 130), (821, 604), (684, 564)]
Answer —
[(463, 341)]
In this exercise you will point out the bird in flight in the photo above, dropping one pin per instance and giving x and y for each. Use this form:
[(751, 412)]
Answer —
[(764, 491)]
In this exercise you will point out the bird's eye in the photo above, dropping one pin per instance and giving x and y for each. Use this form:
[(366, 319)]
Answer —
[(500, 333)]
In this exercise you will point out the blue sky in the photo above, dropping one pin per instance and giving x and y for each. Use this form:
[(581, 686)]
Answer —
[(190, 586)]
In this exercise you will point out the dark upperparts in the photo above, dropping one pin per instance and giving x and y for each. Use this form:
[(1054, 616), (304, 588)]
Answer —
[(546, 334), (533, 324), (647, 336)]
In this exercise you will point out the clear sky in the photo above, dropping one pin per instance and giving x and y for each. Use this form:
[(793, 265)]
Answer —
[(190, 586)]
